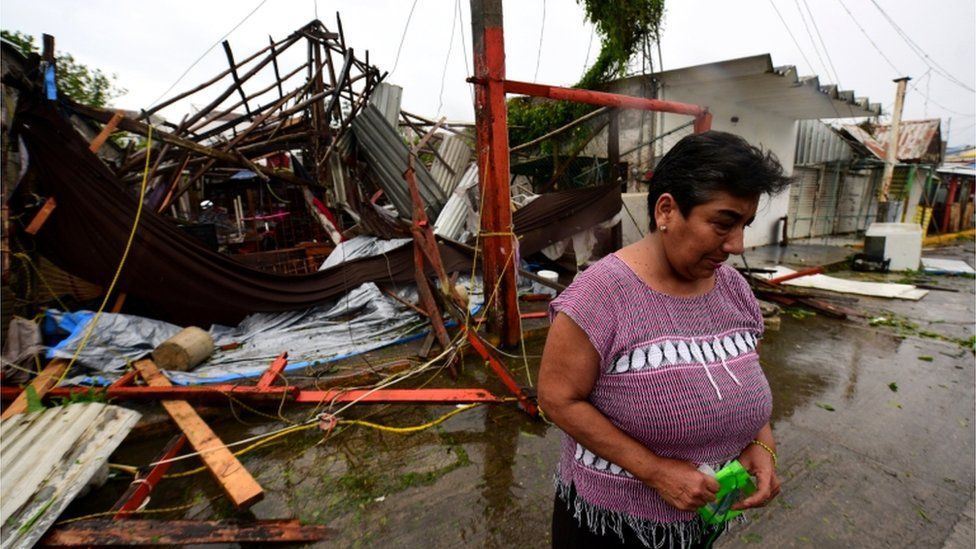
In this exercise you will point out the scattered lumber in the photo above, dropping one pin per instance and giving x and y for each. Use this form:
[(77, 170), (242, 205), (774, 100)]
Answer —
[(43, 383), (102, 532), (240, 486)]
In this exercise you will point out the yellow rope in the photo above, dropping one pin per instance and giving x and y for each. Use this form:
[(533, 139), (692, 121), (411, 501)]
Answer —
[(408, 430), (118, 271), (27, 260), (297, 428), (134, 512)]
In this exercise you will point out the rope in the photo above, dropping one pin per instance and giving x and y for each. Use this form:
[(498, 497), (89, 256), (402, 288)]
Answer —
[(133, 512), (118, 271), (307, 426), (27, 260)]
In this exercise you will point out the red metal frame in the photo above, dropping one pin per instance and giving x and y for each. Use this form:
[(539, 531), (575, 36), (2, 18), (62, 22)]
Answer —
[(140, 488), (491, 119), (273, 371)]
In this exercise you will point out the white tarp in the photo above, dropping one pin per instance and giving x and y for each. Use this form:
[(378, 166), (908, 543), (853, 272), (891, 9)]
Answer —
[(935, 265), (844, 286)]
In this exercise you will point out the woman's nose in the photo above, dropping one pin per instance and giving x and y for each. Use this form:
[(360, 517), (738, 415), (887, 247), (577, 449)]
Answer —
[(734, 244)]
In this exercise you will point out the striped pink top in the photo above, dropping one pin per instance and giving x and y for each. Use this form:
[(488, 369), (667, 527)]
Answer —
[(679, 374)]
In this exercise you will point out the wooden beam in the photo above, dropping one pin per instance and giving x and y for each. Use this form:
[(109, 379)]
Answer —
[(139, 532), (41, 216), (240, 486), (140, 128), (43, 383), (215, 79), (237, 79), (107, 130)]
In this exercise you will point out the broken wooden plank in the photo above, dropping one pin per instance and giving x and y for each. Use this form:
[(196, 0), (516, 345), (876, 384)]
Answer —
[(43, 383), (101, 532), (240, 486), (107, 130), (41, 216)]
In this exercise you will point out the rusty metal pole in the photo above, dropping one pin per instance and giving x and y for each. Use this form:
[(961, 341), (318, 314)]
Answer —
[(491, 119), (891, 151)]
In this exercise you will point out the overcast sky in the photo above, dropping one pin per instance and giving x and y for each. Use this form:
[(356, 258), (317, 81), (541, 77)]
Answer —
[(149, 44)]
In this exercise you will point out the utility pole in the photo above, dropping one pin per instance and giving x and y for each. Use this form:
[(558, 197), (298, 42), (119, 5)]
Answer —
[(891, 151), (497, 238)]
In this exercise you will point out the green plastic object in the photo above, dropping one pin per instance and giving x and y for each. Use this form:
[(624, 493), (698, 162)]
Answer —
[(734, 484)]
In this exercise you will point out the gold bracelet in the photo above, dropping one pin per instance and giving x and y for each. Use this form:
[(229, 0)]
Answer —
[(766, 447)]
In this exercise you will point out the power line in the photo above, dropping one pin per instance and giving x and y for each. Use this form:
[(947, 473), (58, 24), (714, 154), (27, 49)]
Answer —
[(787, 27), (450, 46), (928, 98), (403, 37), (866, 35), (822, 43), (542, 31), (204, 54), (464, 47), (586, 64), (812, 41), (926, 58)]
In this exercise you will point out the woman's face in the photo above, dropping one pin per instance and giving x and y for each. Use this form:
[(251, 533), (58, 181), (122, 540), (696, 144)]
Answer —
[(697, 244)]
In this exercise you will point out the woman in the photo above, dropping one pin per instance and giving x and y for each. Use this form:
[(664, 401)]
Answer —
[(651, 367)]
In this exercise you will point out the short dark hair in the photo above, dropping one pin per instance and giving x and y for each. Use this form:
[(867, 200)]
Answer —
[(701, 164)]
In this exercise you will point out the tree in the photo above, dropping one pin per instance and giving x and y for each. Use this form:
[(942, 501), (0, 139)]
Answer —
[(80, 82), (626, 28)]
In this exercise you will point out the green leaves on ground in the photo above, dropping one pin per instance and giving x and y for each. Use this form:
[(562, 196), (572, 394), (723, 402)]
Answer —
[(825, 406)]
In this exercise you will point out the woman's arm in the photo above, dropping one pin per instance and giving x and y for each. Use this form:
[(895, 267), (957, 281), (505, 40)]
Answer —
[(759, 461), (570, 366)]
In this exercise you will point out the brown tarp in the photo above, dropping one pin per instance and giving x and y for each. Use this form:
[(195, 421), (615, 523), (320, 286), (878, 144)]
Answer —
[(187, 283)]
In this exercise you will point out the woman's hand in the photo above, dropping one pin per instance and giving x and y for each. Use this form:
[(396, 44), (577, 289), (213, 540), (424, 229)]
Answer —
[(760, 464), (681, 485)]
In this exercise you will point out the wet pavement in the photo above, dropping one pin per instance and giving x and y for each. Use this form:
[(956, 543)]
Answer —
[(873, 418)]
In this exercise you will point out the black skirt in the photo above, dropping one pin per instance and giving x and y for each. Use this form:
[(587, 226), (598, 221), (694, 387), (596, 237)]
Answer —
[(569, 533)]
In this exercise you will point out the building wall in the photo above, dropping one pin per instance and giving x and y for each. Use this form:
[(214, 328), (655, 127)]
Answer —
[(773, 132)]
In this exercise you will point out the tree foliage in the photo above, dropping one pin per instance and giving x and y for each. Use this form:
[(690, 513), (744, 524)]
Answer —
[(84, 84), (626, 27)]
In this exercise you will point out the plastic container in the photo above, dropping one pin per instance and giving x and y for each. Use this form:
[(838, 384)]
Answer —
[(551, 276), (899, 242)]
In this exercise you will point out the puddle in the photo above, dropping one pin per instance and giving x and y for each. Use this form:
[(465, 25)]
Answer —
[(484, 477)]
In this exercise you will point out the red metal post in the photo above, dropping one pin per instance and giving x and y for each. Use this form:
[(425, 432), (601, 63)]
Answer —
[(141, 487), (403, 396), (703, 122), (271, 374), (491, 119), (798, 274), (602, 99)]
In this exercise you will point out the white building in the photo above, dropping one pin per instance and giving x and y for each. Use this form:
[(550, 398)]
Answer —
[(749, 97)]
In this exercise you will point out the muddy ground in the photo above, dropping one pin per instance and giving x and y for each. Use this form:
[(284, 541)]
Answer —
[(873, 418)]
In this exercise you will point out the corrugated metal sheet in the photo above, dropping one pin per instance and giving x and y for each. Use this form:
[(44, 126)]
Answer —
[(756, 83), (386, 98), (50, 456), (825, 209), (918, 140), (852, 212), (456, 154), (387, 155), (803, 200), (817, 143), (453, 218), (340, 175)]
